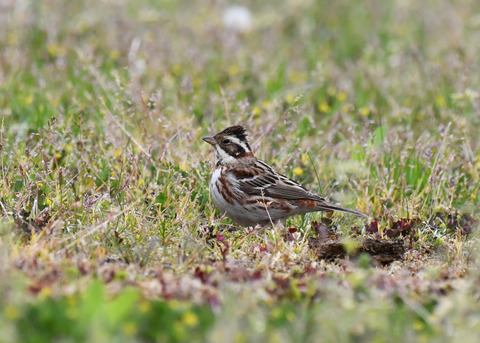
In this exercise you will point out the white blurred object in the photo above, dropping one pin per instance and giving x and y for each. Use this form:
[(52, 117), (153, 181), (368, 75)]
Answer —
[(237, 18)]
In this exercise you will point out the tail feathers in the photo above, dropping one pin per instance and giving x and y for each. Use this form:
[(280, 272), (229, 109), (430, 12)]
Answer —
[(325, 206)]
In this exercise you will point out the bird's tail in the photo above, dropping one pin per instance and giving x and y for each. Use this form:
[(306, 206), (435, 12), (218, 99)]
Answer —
[(326, 206)]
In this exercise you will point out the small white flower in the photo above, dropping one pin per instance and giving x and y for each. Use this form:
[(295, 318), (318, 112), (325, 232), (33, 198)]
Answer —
[(470, 94), (237, 18)]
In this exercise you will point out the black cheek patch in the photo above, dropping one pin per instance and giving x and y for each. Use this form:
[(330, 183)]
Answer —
[(235, 151), (240, 151)]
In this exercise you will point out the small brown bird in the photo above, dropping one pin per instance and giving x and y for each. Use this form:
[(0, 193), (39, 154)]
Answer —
[(251, 192)]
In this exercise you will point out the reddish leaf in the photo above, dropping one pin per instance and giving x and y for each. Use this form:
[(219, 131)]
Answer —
[(201, 274), (257, 275), (372, 227), (323, 230), (261, 248)]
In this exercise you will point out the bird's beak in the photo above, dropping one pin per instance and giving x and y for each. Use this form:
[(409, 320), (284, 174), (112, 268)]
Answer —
[(210, 140)]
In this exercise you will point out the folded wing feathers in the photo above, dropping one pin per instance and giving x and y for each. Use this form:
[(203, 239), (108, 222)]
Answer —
[(276, 185)]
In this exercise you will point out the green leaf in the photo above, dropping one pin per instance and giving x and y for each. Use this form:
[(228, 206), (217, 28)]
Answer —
[(277, 83), (379, 136), (304, 127), (92, 300), (18, 185), (104, 173), (358, 153), (119, 308)]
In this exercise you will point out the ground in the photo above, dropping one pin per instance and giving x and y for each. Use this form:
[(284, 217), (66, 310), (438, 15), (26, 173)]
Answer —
[(107, 229)]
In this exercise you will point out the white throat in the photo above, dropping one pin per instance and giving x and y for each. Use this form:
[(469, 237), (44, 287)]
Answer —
[(221, 155)]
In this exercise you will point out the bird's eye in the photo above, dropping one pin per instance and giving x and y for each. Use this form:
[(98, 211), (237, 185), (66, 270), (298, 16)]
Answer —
[(226, 141)]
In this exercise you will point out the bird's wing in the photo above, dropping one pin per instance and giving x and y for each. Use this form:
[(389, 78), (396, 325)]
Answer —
[(286, 188), (263, 180)]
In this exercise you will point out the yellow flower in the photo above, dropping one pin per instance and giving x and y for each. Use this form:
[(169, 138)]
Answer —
[(54, 50), (297, 77), (71, 300), (11, 312), (29, 100), (176, 69), (190, 318), (290, 316), (256, 110), (440, 101), (418, 325), (341, 96), (45, 293), (197, 82), (114, 54), (144, 306), (324, 107), (298, 171), (129, 329), (364, 111), (12, 38), (276, 313), (233, 70), (290, 98), (184, 166), (174, 305)]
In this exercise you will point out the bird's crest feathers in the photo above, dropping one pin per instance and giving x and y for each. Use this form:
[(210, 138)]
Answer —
[(235, 130)]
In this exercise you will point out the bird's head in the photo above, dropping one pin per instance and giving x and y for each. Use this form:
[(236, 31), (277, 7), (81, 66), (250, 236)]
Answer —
[(230, 144)]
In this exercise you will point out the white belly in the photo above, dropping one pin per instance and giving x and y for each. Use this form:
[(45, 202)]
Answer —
[(220, 202)]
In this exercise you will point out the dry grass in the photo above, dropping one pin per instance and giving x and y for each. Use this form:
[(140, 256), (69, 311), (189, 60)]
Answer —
[(107, 231)]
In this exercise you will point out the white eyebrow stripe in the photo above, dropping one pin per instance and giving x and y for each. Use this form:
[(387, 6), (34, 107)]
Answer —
[(239, 142)]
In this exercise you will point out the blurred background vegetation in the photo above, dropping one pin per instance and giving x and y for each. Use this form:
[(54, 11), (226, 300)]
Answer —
[(107, 230)]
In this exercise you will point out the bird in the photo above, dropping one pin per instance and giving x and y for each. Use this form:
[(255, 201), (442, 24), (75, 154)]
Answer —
[(251, 192)]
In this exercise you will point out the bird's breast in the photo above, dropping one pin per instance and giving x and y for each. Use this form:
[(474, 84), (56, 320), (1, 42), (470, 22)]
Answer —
[(222, 189)]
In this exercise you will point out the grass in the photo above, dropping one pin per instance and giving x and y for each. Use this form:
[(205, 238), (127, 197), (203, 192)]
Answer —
[(107, 230)]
